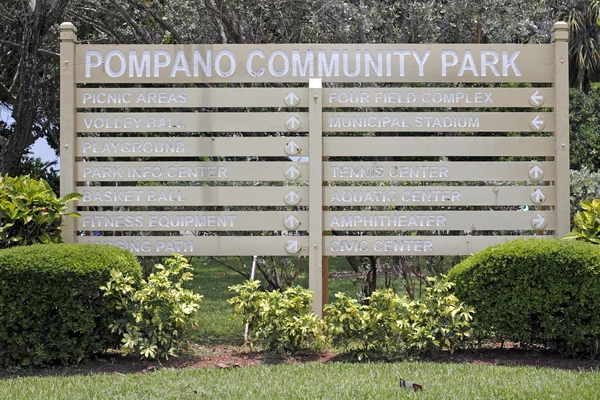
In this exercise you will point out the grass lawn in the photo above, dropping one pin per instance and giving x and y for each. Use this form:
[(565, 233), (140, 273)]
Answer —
[(294, 380), (316, 381)]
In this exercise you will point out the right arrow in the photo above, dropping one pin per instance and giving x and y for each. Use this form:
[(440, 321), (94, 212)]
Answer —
[(538, 196), (292, 148), (292, 246), (537, 123), (536, 98), (538, 221)]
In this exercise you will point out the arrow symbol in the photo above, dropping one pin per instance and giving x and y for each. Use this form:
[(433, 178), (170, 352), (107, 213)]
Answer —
[(291, 222), (536, 172), (292, 197), (292, 246), (292, 122), (292, 148), (538, 221), (291, 99), (292, 172), (537, 123), (538, 196), (536, 98)]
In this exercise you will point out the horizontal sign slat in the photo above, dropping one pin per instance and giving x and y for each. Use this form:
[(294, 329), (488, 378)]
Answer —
[(191, 171), (332, 146), (205, 245), (192, 122), (438, 220), (300, 62), (346, 196), (411, 245), (333, 171), (332, 122), (298, 97), (193, 221), (441, 220), (438, 122), (298, 245), (437, 171)]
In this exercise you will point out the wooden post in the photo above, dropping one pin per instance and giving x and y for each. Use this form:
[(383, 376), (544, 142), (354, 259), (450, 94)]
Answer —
[(315, 196), (560, 39), (68, 110)]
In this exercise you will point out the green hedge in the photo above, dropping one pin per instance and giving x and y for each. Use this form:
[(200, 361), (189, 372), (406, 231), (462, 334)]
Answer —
[(536, 292), (51, 309)]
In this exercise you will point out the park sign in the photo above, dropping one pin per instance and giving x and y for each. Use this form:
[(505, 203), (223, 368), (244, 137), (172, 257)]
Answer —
[(314, 149)]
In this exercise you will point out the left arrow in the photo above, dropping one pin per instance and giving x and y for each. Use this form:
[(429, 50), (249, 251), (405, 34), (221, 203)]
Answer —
[(537, 123)]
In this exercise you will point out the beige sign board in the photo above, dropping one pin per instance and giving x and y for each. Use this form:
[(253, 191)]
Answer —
[(299, 62), (298, 97), (191, 221), (192, 171), (205, 245), (332, 146), (410, 245)]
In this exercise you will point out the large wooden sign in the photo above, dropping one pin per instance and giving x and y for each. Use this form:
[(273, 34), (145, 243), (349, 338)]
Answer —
[(314, 150)]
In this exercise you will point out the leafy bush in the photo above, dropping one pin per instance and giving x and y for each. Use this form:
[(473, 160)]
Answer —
[(585, 186), (50, 306), (587, 223), (157, 310), (30, 212), (281, 321), (390, 324), (535, 291), (584, 129)]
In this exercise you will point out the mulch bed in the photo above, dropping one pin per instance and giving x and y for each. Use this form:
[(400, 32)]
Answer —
[(229, 356)]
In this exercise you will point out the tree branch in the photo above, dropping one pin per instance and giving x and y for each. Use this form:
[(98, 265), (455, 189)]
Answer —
[(6, 17), (166, 26), (101, 27), (136, 27), (17, 46)]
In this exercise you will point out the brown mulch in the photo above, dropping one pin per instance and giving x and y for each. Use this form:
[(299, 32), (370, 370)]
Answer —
[(229, 356)]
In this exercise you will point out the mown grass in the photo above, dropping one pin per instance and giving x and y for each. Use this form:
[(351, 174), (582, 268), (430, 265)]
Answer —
[(317, 381)]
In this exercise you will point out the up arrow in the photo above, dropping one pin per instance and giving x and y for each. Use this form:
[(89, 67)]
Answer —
[(292, 246), (291, 99), (537, 123), (292, 198), (292, 148), (538, 221), (536, 172), (292, 172), (536, 98), (538, 196), (292, 123), (291, 222)]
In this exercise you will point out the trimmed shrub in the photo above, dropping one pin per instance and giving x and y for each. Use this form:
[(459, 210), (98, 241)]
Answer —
[(281, 321), (535, 291), (51, 309)]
